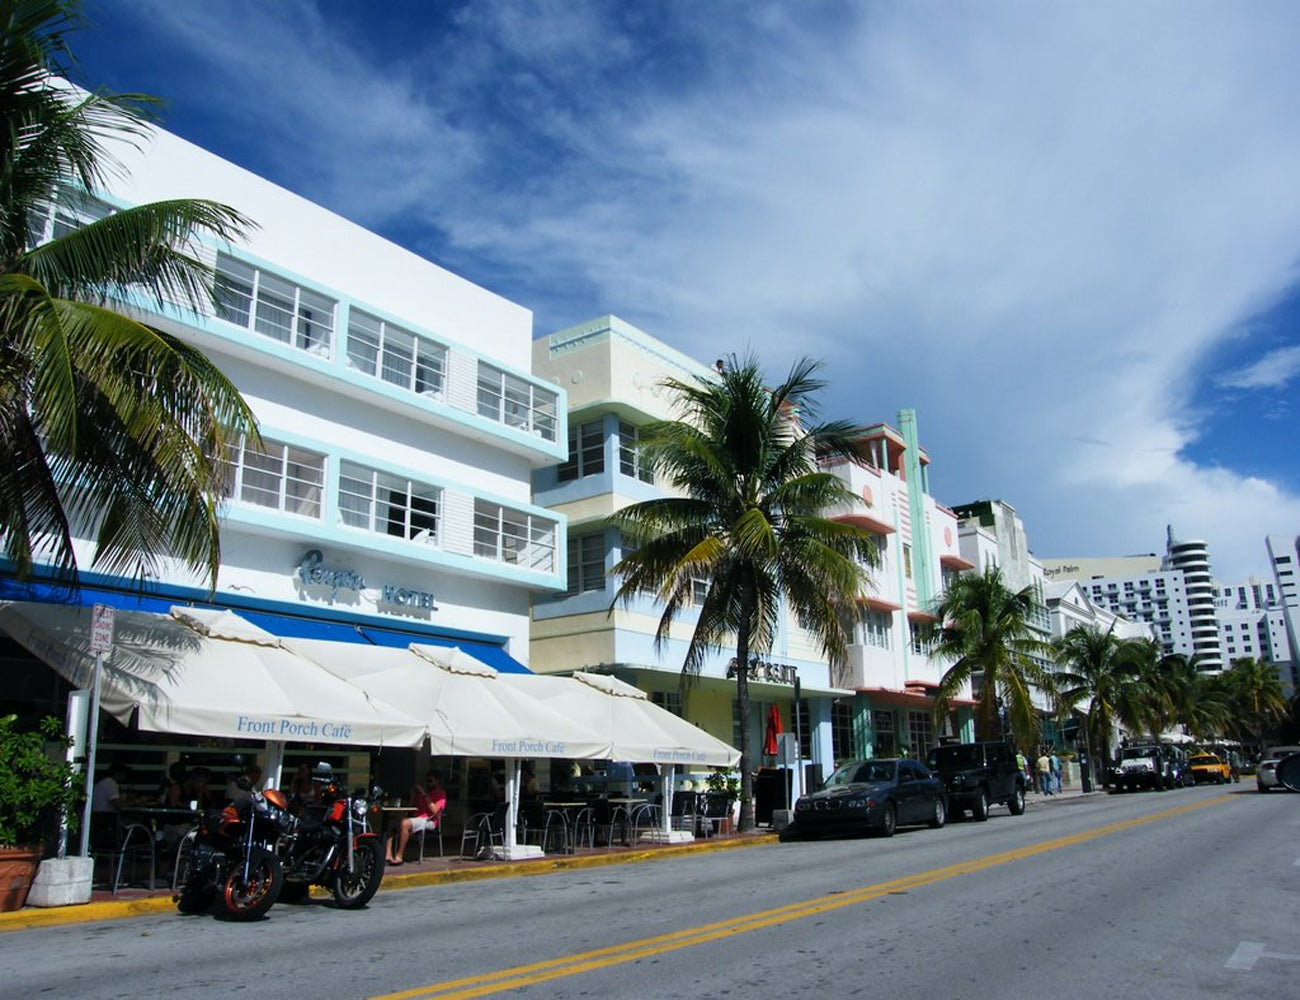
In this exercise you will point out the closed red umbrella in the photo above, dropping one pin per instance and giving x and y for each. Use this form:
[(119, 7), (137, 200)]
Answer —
[(773, 731)]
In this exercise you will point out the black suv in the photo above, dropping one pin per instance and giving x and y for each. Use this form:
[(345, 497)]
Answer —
[(978, 775)]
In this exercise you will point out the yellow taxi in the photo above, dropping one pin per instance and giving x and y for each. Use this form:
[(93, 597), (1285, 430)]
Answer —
[(1207, 767)]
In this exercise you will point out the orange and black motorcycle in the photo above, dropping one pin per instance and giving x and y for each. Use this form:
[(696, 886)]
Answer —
[(331, 845), (224, 865)]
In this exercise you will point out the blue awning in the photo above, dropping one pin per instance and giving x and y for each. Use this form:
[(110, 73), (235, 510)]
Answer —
[(289, 623)]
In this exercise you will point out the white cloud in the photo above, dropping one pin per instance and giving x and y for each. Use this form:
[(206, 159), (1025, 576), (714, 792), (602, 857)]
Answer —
[(1273, 371), (1032, 224)]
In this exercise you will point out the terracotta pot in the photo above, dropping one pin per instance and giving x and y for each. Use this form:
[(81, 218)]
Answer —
[(17, 869)]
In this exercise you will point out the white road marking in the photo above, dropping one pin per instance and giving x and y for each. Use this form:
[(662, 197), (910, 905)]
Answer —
[(1250, 952)]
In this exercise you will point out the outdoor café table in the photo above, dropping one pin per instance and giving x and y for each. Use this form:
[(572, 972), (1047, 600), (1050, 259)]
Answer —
[(626, 806), (563, 810), (151, 818), (387, 814)]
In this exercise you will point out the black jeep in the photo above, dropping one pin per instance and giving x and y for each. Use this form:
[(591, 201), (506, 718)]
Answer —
[(978, 775)]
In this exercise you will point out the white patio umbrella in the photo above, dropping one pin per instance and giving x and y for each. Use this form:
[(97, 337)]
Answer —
[(209, 673)]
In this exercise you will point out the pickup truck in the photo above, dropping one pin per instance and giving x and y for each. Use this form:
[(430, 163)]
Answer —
[(977, 776)]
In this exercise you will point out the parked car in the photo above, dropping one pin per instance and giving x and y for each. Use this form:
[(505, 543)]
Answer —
[(1209, 768), (871, 796), (977, 776), (1266, 773)]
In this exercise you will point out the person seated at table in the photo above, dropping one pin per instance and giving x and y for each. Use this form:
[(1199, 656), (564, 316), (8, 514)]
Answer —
[(302, 788), (429, 802), (195, 787), (242, 786), (107, 794), (171, 794)]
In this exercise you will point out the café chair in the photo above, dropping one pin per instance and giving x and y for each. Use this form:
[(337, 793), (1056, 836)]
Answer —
[(114, 840), (484, 829), (435, 830)]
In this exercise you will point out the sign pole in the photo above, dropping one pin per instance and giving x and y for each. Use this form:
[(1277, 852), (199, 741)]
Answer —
[(101, 642)]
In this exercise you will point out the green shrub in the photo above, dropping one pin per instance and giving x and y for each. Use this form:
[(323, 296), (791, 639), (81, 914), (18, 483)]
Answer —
[(34, 787)]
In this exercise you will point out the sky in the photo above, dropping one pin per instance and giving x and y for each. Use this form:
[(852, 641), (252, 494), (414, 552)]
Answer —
[(1066, 235)]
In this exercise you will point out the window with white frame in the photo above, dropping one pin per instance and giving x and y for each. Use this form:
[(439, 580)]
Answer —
[(396, 355), (670, 701), (279, 476), (586, 563), (920, 733), (273, 306), (388, 504), (922, 637), (630, 461), (907, 560), (513, 536), (516, 402), (68, 210), (803, 725), (586, 451), (877, 627)]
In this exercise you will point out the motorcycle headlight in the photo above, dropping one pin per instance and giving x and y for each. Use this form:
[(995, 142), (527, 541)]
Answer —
[(359, 810)]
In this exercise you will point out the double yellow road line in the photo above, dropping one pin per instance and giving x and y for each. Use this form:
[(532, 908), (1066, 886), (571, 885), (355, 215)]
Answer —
[(600, 958)]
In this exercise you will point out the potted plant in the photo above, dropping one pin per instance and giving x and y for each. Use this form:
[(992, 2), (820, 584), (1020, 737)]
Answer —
[(36, 789), (724, 789)]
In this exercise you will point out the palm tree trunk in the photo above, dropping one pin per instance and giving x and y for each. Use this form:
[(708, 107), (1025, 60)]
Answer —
[(742, 709)]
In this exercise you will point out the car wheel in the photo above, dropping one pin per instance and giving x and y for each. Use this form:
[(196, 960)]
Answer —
[(1017, 803), (980, 809), (939, 816), (889, 821)]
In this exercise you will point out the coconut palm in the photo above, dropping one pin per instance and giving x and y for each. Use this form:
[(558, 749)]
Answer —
[(111, 428), (986, 634), (751, 520), (1093, 670), (1257, 698)]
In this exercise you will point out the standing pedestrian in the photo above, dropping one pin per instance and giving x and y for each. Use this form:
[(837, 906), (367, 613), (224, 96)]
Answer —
[(1056, 772), (1023, 764), (1044, 772)]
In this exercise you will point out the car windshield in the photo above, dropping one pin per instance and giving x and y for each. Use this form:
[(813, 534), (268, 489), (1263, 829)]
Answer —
[(1204, 761), (955, 757), (862, 771), (1135, 753)]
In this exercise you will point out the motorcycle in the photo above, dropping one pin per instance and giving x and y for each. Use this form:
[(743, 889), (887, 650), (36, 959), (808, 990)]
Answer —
[(330, 845), (223, 861)]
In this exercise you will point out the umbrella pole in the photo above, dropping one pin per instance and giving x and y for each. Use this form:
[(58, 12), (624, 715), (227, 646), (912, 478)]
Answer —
[(274, 763)]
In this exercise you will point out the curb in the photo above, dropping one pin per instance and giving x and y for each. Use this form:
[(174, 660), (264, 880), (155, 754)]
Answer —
[(31, 917)]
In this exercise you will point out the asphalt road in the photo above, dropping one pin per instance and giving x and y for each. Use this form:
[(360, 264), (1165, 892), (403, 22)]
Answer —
[(1187, 894)]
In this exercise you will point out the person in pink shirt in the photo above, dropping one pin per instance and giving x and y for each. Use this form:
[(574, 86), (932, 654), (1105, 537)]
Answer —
[(430, 802)]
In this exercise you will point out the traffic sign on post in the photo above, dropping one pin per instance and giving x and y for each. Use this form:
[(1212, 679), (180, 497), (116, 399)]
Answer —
[(101, 629)]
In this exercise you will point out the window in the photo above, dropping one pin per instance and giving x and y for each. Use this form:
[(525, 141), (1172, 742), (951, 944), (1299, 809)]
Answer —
[(513, 536), (586, 563), (586, 451), (922, 638), (699, 591), (278, 476), (630, 462), (920, 733), (884, 743), (842, 731), (670, 701), (387, 504), (273, 306), (876, 628), (907, 560), (804, 728), (515, 402), (68, 210), (398, 356)]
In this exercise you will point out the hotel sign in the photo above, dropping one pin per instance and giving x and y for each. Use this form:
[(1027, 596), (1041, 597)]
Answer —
[(314, 572), (765, 670)]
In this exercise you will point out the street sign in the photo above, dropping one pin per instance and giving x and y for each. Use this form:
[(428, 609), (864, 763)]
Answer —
[(101, 629)]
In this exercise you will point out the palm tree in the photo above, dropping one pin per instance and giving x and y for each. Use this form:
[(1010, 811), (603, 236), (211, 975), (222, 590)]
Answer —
[(1094, 670), (1257, 695), (750, 520), (110, 427), (987, 635)]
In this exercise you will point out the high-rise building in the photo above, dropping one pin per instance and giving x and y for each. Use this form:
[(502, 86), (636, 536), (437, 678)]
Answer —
[(1284, 555), (1252, 624)]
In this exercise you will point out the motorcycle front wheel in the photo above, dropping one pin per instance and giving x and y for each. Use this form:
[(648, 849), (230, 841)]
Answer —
[(249, 899), (354, 889)]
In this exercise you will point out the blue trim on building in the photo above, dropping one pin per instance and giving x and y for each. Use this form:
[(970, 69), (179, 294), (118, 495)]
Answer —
[(288, 621)]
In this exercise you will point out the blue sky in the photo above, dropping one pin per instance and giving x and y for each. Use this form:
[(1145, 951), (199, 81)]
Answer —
[(1067, 235)]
